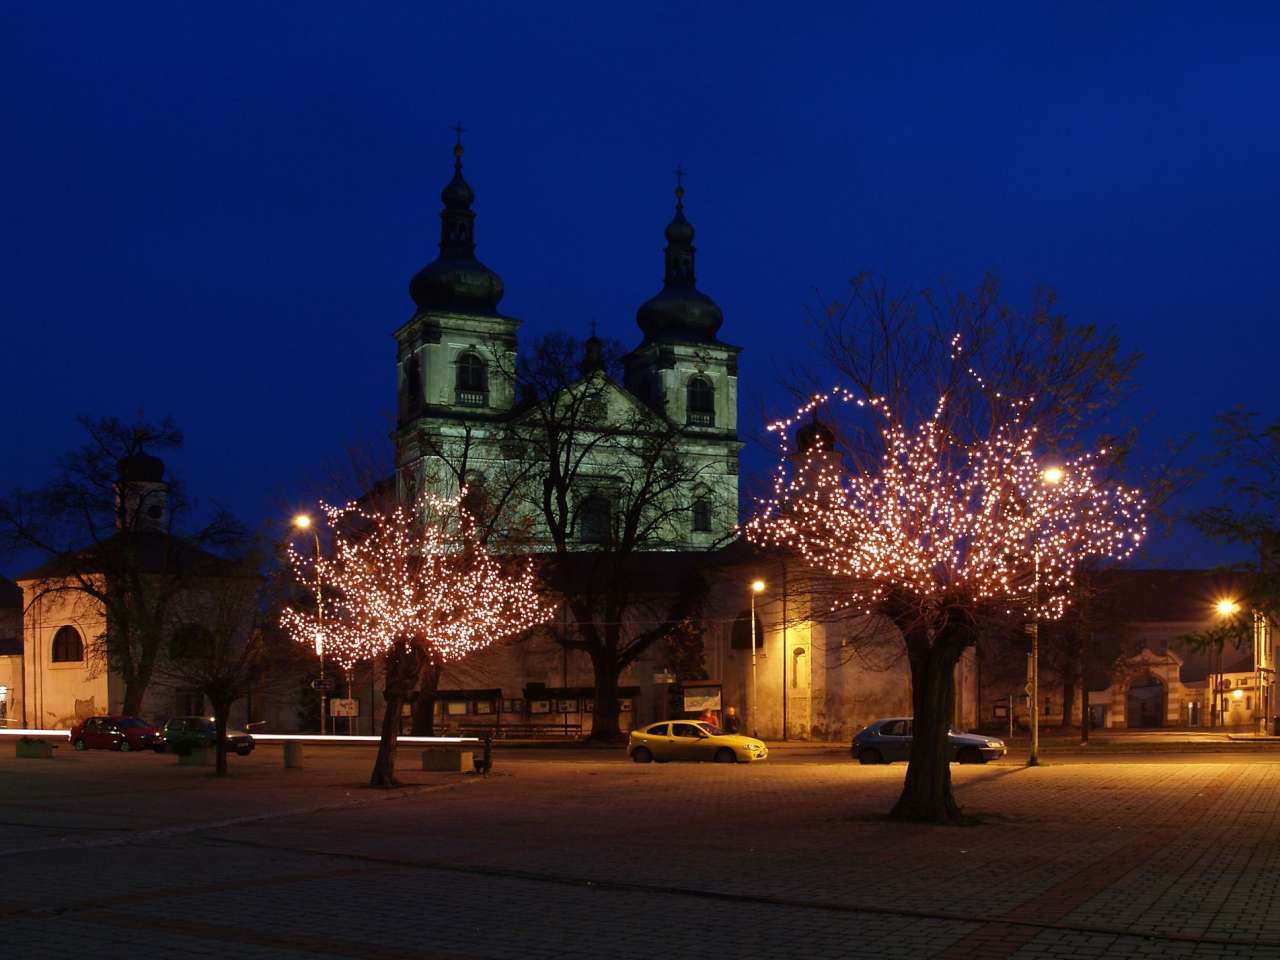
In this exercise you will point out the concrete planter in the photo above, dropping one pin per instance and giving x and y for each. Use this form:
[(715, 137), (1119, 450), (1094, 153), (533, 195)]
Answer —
[(34, 750), (446, 760), (196, 757)]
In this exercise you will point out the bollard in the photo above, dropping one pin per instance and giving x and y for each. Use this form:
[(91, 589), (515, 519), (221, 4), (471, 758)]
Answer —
[(292, 755)]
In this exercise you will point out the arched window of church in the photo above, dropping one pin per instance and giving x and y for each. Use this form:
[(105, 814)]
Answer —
[(67, 646), (701, 402), (472, 382), (702, 515), (595, 520), (476, 501)]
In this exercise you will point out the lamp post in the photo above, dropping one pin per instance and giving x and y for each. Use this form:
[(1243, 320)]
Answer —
[(1229, 608), (1052, 476), (303, 522), (757, 586)]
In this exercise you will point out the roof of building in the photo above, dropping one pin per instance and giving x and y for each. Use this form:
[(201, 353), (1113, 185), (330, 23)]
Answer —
[(155, 552), (10, 595), (1167, 596), (680, 311)]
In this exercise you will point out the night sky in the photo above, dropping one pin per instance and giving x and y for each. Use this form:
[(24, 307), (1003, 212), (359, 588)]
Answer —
[(215, 213)]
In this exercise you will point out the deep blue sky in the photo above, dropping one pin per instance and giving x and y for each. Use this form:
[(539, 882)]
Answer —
[(214, 213)]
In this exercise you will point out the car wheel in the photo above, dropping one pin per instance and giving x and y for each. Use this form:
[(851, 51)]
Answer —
[(868, 757), (158, 748), (80, 745), (642, 755), (969, 755), (725, 755), (243, 753), (125, 746)]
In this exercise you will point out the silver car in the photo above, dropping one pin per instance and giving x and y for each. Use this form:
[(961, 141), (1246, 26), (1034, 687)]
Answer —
[(884, 741)]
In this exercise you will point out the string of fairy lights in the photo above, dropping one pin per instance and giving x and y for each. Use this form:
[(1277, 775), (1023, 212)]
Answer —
[(936, 516), (419, 575)]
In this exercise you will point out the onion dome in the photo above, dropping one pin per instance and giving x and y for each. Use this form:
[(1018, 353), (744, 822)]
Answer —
[(140, 467), (456, 280), (815, 437), (592, 354), (680, 311)]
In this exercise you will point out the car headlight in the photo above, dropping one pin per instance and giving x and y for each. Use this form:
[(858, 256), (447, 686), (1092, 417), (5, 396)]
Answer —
[(753, 746), (994, 744)]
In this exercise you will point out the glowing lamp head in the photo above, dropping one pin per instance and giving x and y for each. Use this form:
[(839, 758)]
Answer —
[(1237, 694), (302, 522), (1053, 475), (319, 642), (757, 586), (1226, 608)]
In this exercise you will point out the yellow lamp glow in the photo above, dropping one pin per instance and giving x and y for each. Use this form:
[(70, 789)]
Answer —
[(302, 521), (1053, 475), (1237, 694), (757, 586), (1226, 608)]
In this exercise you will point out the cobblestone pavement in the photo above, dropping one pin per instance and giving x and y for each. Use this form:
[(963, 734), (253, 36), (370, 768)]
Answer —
[(568, 855)]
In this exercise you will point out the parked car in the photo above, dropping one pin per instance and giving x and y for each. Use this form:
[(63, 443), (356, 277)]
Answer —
[(884, 741), (114, 733), (692, 740), (182, 733)]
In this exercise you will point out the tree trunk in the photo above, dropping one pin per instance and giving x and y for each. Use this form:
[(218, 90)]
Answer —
[(1068, 695), (604, 714), (1084, 695), (220, 712), (926, 793), (395, 694)]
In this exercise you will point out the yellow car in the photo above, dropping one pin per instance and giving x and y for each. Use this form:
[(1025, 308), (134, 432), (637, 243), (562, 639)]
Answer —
[(692, 740)]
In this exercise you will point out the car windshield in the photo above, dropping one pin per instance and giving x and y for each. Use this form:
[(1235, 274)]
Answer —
[(205, 725), (130, 722), (711, 728)]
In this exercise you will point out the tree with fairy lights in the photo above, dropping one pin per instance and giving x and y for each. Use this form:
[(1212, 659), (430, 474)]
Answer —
[(406, 584), (942, 535), (958, 502)]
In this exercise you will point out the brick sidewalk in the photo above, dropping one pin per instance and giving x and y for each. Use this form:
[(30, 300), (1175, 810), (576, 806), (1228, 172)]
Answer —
[(597, 857)]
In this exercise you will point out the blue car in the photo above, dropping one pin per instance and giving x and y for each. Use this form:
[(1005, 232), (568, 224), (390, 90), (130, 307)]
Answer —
[(884, 741)]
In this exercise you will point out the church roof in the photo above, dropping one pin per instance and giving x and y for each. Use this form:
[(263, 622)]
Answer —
[(10, 595), (156, 552)]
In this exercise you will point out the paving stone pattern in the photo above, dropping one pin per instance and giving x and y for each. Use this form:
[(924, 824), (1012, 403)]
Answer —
[(586, 856)]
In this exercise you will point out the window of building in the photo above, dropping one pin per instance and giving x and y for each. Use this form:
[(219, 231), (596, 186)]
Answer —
[(701, 402), (67, 646), (740, 639), (472, 381), (702, 515), (595, 520), (413, 381)]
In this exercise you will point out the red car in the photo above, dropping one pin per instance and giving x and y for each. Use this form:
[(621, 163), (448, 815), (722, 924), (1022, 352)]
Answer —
[(115, 733)]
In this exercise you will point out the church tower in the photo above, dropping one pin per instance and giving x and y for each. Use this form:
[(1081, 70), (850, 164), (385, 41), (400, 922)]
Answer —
[(685, 372), (457, 353), (456, 356)]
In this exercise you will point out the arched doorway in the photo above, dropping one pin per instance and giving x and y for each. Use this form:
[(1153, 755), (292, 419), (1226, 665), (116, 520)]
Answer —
[(1146, 702)]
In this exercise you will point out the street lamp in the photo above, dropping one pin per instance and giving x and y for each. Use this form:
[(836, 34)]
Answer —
[(303, 522), (1228, 607), (1052, 476), (757, 586)]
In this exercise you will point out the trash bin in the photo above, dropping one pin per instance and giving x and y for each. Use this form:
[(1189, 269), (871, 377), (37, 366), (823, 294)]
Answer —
[(1275, 726), (292, 755)]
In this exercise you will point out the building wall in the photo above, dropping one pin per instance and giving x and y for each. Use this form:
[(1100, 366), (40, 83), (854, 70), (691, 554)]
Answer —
[(56, 695)]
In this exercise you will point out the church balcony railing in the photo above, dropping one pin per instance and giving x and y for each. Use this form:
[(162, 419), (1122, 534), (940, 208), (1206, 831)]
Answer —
[(701, 418), (473, 398)]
